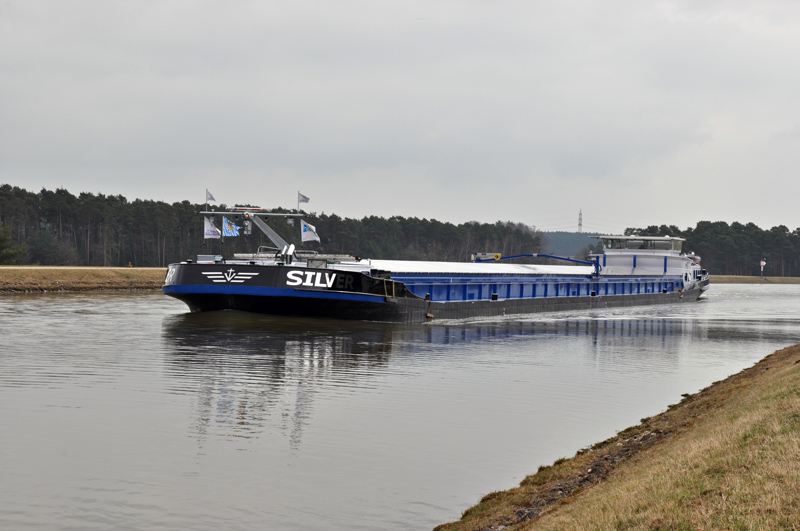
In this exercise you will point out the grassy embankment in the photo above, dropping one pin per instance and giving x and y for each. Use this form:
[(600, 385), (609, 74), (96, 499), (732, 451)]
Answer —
[(727, 457), (730, 279), (54, 278)]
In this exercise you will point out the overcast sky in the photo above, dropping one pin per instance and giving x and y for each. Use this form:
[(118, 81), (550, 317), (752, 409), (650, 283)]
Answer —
[(636, 113)]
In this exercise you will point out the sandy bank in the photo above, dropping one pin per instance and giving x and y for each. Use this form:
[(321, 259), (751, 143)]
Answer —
[(727, 457), (56, 278)]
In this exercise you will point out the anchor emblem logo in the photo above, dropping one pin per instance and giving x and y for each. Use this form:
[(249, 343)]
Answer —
[(229, 276)]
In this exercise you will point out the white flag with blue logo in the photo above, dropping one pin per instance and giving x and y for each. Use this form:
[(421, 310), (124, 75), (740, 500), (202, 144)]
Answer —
[(229, 228), (210, 230), (308, 232)]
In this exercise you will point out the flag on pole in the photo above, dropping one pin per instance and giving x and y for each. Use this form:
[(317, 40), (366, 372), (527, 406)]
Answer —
[(301, 198), (229, 228), (308, 232), (210, 230), (209, 197)]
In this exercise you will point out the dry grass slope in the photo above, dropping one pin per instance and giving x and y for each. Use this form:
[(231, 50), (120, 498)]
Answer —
[(729, 279), (727, 457), (40, 278)]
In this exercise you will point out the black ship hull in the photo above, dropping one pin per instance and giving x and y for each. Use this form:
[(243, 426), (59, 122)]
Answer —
[(284, 290)]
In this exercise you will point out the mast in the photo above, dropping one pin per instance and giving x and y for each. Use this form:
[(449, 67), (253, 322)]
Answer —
[(255, 217)]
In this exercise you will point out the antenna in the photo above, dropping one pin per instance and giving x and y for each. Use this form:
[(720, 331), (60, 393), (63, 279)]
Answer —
[(580, 220)]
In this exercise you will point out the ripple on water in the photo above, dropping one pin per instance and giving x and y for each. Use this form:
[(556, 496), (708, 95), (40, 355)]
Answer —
[(122, 410)]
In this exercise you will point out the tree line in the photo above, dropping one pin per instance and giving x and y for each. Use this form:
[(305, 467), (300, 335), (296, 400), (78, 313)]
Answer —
[(737, 249), (59, 228)]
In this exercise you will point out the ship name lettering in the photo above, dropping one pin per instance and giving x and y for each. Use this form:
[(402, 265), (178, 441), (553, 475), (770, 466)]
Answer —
[(344, 282), (310, 279)]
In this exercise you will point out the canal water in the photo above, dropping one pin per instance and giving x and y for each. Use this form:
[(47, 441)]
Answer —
[(122, 411)]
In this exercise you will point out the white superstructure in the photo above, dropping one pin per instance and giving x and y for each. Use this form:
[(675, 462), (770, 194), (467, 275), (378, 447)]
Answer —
[(648, 256)]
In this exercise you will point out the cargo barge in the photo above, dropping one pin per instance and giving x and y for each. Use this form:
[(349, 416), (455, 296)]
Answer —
[(631, 271)]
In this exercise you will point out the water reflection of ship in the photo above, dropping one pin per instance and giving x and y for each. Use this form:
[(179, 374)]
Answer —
[(597, 328), (254, 372)]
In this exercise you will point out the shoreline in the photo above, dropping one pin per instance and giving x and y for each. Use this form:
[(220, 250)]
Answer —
[(698, 465), (731, 279), (32, 279), (41, 279)]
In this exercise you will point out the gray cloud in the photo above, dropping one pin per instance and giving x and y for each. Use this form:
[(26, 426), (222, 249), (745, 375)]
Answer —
[(665, 113)]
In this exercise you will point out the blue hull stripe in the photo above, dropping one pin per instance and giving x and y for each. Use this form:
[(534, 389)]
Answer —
[(271, 292)]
